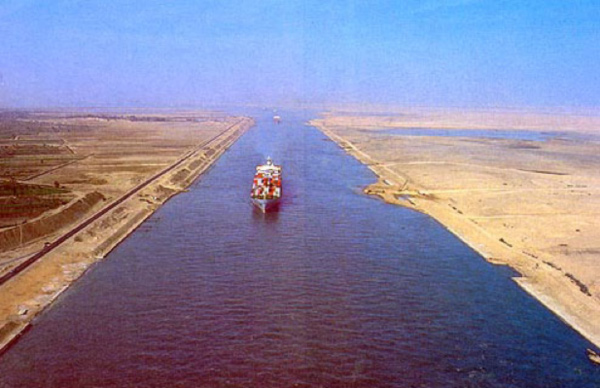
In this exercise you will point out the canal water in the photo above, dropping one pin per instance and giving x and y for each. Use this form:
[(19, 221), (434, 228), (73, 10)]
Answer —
[(336, 289)]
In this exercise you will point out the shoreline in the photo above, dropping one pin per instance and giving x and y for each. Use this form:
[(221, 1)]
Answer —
[(69, 261), (539, 279)]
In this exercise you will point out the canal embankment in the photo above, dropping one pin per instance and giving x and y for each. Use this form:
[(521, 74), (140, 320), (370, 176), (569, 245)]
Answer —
[(32, 286), (519, 240)]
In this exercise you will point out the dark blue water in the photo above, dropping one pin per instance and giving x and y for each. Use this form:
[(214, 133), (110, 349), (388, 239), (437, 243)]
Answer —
[(526, 135), (334, 290)]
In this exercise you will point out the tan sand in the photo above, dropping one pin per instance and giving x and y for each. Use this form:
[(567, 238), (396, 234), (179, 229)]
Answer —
[(123, 164), (532, 205)]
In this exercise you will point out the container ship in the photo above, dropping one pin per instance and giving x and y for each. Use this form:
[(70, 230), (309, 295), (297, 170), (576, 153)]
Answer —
[(266, 188)]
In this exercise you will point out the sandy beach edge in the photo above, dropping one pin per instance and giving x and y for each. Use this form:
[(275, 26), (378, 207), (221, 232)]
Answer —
[(555, 292), (111, 235)]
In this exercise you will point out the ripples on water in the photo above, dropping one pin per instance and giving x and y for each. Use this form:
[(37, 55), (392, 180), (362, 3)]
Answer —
[(335, 289)]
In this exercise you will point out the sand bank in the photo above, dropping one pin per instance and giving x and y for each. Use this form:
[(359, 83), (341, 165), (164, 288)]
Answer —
[(531, 205), (26, 295)]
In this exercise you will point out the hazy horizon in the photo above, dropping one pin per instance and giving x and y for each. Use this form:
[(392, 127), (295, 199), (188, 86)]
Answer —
[(436, 53)]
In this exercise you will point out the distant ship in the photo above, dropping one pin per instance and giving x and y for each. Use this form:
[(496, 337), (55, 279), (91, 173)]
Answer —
[(266, 188), (277, 119)]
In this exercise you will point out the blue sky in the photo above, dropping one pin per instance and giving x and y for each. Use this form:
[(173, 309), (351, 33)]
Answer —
[(193, 53)]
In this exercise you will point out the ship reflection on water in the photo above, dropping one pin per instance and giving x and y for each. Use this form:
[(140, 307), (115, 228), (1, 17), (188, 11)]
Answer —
[(272, 215)]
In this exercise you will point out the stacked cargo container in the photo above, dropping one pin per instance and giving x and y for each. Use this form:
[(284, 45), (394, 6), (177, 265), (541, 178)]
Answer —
[(266, 186)]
